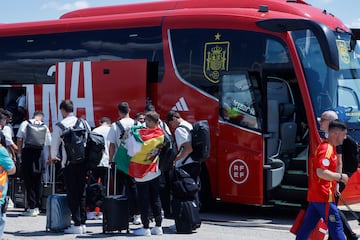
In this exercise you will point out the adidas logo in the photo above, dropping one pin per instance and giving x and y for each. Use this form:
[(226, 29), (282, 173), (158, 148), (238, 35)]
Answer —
[(180, 105)]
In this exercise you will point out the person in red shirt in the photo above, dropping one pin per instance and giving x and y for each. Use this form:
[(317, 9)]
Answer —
[(323, 177)]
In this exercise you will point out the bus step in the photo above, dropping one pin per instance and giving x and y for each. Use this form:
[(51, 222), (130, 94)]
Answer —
[(298, 164), (295, 178), (280, 203), (291, 194)]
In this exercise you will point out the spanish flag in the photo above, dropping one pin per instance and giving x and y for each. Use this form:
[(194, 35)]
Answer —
[(138, 153)]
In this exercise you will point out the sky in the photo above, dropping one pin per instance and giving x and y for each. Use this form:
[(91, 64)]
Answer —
[(34, 10)]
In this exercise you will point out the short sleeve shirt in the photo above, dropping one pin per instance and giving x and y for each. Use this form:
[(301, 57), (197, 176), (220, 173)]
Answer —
[(182, 135), (321, 190), (115, 132)]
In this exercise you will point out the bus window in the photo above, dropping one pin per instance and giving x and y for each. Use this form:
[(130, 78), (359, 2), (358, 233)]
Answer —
[(276, 52), (238, 101)]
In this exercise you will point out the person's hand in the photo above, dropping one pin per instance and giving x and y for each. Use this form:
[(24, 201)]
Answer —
[(54, 160), (344, 178)]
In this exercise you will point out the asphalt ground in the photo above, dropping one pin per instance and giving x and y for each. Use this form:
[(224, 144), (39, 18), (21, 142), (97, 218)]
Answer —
[(214, 226)]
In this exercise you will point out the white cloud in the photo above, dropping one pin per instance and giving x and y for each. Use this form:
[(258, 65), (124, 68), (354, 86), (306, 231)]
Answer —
[(66, 6)]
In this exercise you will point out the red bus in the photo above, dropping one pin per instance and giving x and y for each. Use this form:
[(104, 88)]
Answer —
[(260, 72)]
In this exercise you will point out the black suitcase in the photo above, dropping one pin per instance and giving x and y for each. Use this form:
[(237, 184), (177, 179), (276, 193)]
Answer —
[(187, 216), (115, 210), (20, 194)]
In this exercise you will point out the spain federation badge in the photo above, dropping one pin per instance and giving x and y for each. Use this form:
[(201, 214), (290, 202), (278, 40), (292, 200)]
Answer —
[(216, 59)]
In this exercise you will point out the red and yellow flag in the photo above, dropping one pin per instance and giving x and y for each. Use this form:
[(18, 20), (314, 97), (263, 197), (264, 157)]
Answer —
[(138, 154)]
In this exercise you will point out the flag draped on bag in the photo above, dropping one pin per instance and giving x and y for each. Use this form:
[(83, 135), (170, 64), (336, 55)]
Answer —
[(138, 154)]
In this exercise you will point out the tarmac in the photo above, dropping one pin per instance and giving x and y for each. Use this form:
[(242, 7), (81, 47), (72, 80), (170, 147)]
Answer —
[(20, 227)]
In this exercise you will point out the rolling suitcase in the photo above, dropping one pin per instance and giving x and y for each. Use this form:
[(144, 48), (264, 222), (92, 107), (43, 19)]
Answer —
[(115, 210), (58, 215), (187, 216)]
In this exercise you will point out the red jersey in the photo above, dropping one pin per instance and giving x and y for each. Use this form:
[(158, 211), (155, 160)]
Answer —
[(321, 190)]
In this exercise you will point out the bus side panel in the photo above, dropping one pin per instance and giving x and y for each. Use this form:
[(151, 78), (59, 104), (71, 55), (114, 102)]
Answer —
[(95, 88), (119, 81), (240, 165)]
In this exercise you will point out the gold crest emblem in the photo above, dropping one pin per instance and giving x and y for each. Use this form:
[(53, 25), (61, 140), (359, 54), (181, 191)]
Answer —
[(216, 59), (343, 51)]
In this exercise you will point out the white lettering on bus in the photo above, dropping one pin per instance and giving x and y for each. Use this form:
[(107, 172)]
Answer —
[(50, 103)]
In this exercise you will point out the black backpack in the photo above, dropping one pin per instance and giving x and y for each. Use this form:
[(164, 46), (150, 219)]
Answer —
[(200, 135), (350, 155), (168, 151), (183, 186), (35, 135), (74, 139), (95, 147)]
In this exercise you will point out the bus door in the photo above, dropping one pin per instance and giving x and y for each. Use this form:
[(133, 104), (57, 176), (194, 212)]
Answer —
[(240, 155)]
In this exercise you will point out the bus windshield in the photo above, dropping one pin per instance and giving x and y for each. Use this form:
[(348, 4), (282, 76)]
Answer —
[(330, 89)]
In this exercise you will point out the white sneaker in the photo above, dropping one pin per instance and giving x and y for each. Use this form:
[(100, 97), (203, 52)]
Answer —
[(137, 220), (83, 228), (30, 213), (37, 211), (142, 232), (157, 231), (91, 215), (74, 230), (99, 216)]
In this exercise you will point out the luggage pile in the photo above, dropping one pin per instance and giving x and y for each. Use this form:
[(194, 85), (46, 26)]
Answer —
[(185, 207)]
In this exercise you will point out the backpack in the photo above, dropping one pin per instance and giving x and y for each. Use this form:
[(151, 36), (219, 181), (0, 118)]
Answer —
[(168, 151), (94, 150), (35, 135), (184, 186), (200, 141), (350, 155), (74, 139)]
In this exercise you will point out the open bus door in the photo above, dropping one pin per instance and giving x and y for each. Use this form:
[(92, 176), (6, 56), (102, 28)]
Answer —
[(240, 139)]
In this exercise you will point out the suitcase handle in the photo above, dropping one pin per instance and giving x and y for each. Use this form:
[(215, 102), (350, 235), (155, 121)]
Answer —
[(112, 165), (52, 177)]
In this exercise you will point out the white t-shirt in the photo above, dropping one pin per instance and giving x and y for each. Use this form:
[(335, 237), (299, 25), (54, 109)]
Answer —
[(182, 135), (104, 131), (115, 132), (9, 134)]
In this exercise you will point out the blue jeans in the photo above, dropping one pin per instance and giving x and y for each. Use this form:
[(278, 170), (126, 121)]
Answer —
[(2, 223), (326, 211)]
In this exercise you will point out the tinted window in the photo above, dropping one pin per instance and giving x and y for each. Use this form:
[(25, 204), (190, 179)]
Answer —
[(203, 56), (26, 59)]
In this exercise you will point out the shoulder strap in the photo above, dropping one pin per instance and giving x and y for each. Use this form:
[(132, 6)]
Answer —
[(183, 126), (121, 127), (77, 124), (164, 128), (61, 126), (84, 123)]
